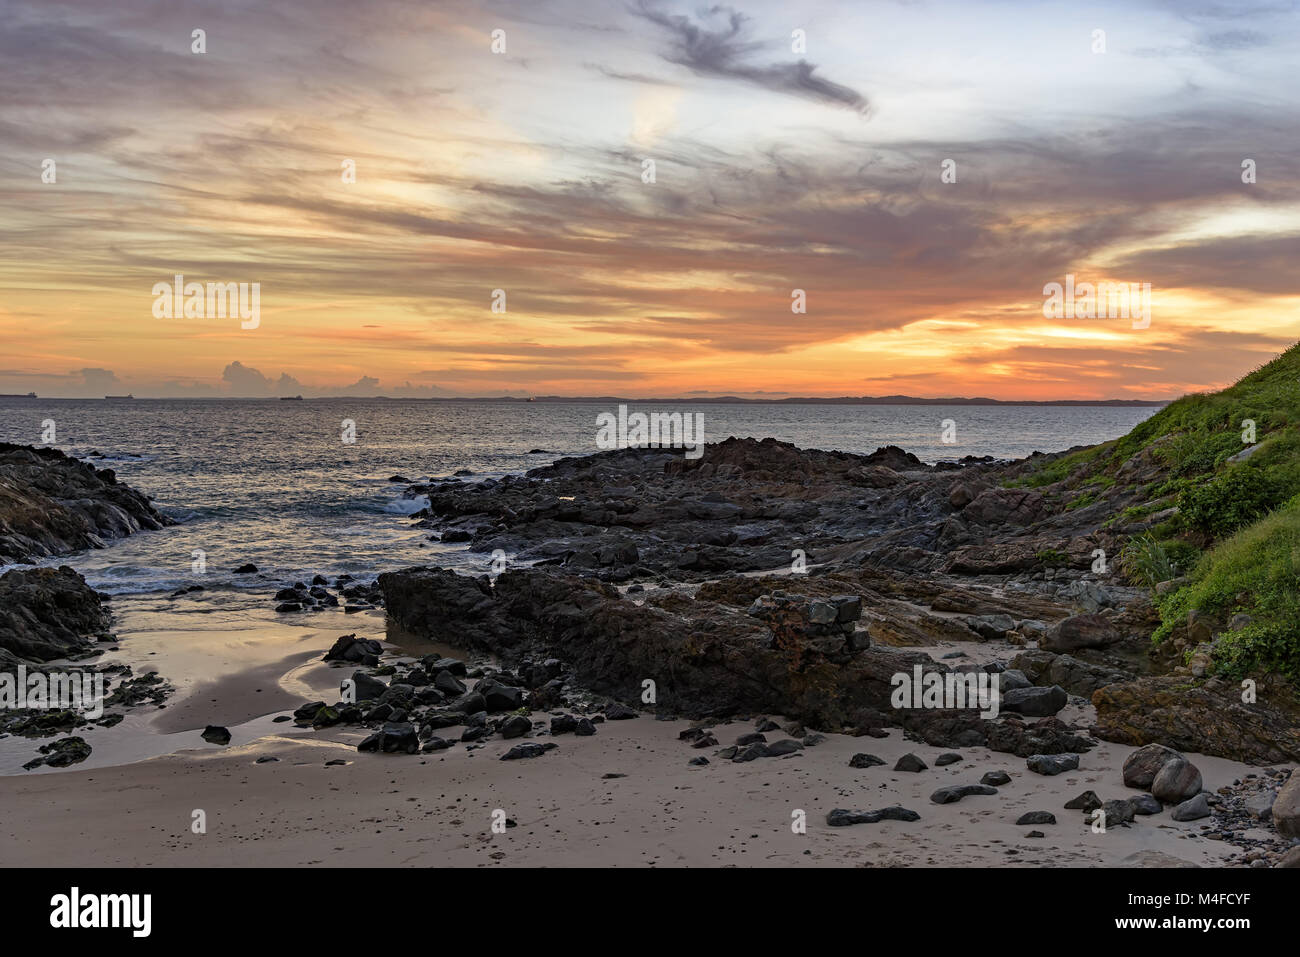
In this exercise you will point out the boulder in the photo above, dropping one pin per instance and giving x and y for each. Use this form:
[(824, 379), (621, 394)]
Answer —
[(1035, 702), (1192, 809), (1286, 808), (1176, 781), (1142, 766), (1079, 631)]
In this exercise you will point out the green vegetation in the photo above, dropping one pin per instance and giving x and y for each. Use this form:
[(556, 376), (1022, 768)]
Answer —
[(1147, 561), (1255, 571), (1236, 531), (1232, 500), (1087, 498), (1052, 558)]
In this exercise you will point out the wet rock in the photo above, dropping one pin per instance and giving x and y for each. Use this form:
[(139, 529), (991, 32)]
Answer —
[(995, 778), (367, 688), (215, 734), (944, 760), (52, 504), (353, 649), (864, 761), (48, 613), (60, 754)]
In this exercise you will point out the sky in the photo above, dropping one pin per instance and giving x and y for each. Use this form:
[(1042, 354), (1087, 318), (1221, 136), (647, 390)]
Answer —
[(795, 146)]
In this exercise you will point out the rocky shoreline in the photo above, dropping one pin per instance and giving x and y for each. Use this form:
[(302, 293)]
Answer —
[(52, 504), (763, 579), (764, 584)]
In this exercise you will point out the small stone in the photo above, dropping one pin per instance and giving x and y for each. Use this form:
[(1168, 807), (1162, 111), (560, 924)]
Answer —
[(910, 762)]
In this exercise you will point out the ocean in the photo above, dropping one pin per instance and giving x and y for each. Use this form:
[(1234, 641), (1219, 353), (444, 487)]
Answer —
[(274, 483)]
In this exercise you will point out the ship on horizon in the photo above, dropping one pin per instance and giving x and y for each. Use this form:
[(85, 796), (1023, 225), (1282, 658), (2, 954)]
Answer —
[(118, 397), (17, 395)]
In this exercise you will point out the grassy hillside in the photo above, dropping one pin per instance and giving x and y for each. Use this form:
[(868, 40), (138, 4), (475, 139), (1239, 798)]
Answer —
[(1205, 506)]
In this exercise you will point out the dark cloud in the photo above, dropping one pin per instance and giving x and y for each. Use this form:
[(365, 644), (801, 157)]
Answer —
[(722, 52)]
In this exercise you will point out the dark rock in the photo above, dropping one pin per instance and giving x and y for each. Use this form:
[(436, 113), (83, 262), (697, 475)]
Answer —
[(515, 726), (1192, 809), (1052, 764), (215, 734), (1142, 765), (1086, 802), (1035, 702), (1176, 781), (528, 749), (1145, 804), (910, 762), (864, 761), (950, 795), (1036, 817), (842, 818)]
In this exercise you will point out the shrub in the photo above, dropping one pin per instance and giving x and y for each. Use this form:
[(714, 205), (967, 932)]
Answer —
[(1255, 571), (1230, 501), (1147, 561)]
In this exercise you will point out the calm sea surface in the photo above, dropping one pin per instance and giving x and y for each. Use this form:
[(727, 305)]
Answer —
[(273, 482)]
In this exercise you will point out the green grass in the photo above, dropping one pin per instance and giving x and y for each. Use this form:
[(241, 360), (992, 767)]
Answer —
[(1254, 571), (1081, 501)]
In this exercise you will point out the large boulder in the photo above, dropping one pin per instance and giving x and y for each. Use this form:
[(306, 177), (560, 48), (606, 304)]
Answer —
[(1142, 766), (1079, 631), (1286, 808), (1176, 781), (53, 504), (48, 613)]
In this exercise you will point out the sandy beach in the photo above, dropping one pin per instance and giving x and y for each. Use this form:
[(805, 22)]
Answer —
[(132, 802)]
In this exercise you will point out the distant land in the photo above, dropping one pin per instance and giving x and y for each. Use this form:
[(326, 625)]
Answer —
[(711, 400)]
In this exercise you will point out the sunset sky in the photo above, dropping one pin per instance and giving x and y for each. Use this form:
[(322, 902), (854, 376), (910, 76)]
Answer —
[(522, 171)]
